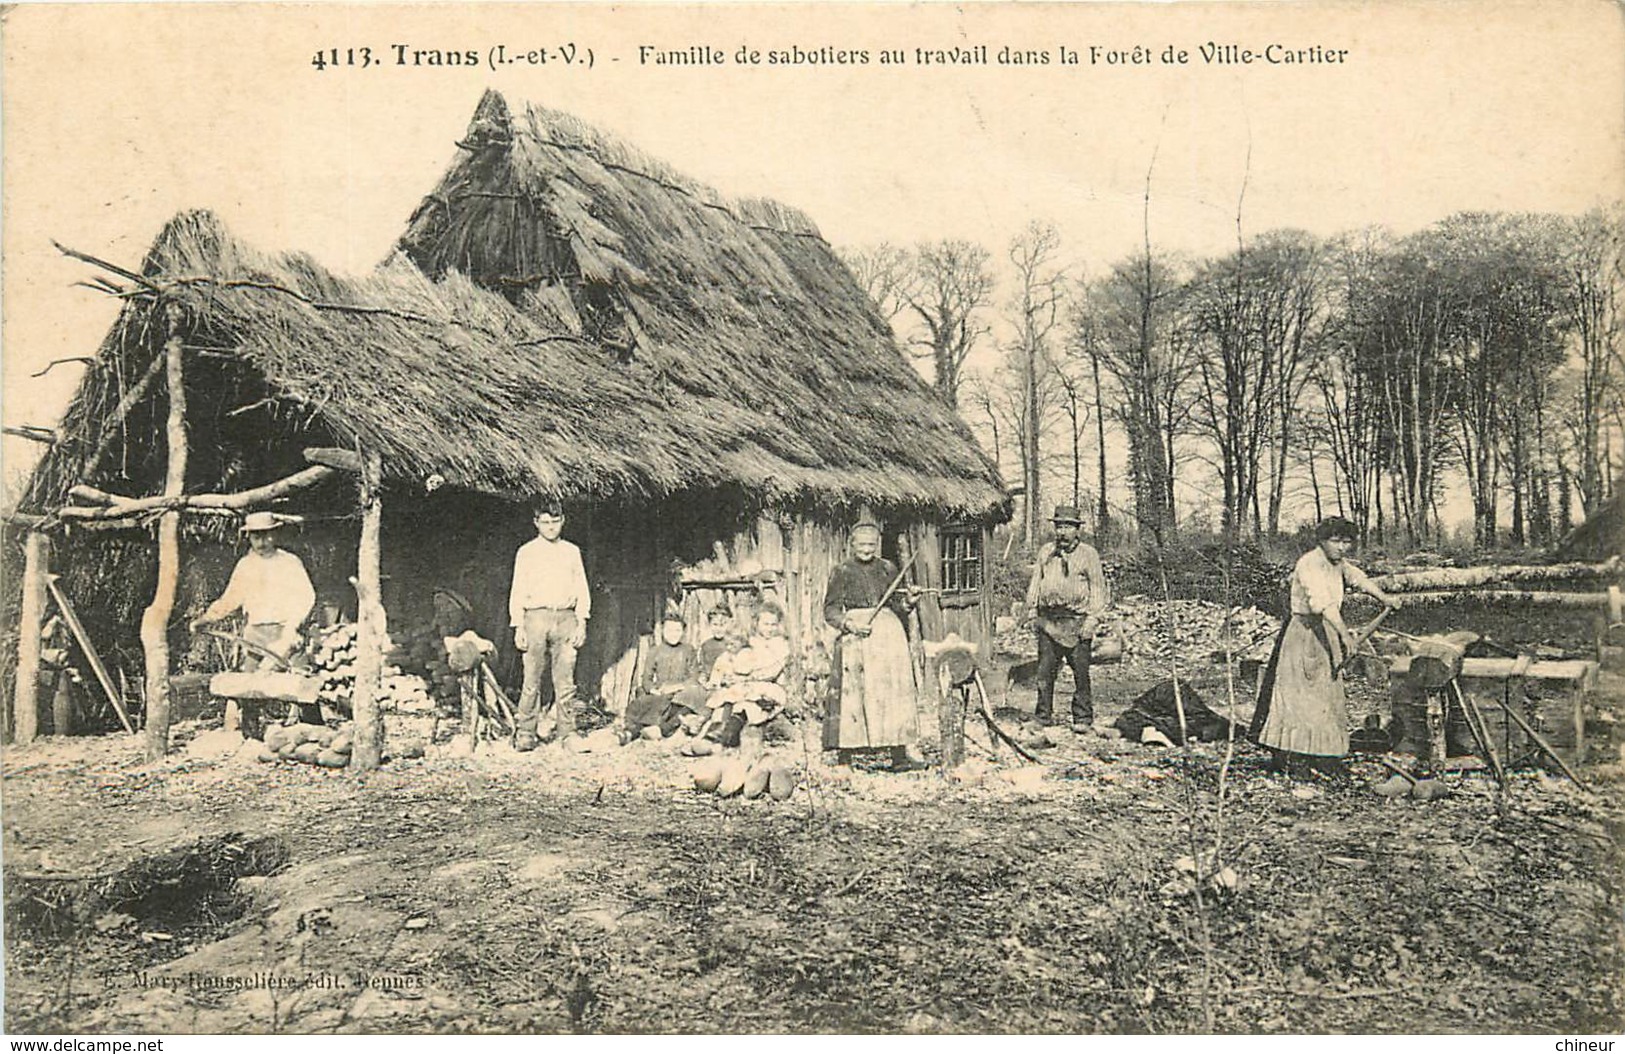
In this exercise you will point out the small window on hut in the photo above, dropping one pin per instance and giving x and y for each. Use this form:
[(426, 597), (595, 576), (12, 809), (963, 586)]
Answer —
[(961, 559)]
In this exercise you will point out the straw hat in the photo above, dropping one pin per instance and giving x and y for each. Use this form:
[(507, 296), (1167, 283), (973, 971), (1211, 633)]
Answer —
[(260, 521)]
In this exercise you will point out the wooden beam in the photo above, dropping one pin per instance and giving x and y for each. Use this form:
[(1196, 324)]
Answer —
[(1541, 742), (1582, 601), (101, 505), (367, 752), (32, 432), (155, 620), (32, 521), (140, 280), (335, 457), (1470, 577), (92, 656), (113, 422), (25, 696), (1581, 673)]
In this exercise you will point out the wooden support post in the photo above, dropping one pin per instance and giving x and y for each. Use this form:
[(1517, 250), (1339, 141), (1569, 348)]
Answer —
[(367, 753), (1438, 749), (795, 622), (25, 698), (951, 719), (155, 620)]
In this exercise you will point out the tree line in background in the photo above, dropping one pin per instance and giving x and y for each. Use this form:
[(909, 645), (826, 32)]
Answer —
[(1363, 370)]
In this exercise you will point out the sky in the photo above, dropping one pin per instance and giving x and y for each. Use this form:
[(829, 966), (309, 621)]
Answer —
[(115, 118)]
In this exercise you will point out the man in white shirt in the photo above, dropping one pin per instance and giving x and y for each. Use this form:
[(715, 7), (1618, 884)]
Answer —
[(270, 586), (548, 608)]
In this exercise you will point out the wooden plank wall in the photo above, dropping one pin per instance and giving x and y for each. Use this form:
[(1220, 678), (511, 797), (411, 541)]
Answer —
[(776, 559)]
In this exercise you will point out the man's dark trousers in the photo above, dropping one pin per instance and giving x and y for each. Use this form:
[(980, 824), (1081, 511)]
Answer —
[(1050, 654)]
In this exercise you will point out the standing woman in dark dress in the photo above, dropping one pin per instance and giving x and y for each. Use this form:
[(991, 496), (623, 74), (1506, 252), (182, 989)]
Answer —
[(873, 704)]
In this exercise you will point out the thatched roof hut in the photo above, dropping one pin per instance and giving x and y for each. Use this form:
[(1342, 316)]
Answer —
[(1601, 536), (699, 345), (562, 317), (759, 359)]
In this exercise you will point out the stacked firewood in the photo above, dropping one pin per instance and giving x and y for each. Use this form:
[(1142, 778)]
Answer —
[(334, 655), (1190, 631), (417, 679), (421, 650)]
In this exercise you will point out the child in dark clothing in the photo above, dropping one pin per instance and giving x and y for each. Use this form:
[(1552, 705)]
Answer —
[(748, 688), (718, 621), (671, 682)]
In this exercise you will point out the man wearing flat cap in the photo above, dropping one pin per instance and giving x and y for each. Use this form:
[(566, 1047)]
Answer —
[(270, 586), (1065, 599)]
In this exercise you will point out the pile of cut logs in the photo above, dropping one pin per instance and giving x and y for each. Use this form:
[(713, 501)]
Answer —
[(1511, 584), (1187, 630)]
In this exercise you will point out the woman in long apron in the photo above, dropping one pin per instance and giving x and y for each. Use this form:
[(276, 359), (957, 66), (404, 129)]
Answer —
[(1302, 713), (873, 695)]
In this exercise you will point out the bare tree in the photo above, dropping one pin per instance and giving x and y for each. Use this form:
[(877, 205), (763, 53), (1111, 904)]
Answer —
[(1259, 317), (1594, 266), (949, 287), (1075, 405), (883, 271), (1035, 308), (1405, 345), (988, 401), (1133, 319), (1350, 417), (1084, 347), (942, 286)]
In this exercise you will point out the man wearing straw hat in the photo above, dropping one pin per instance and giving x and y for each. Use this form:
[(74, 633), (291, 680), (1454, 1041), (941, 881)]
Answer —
[(270, 586), (873, 702), (1065, 599)]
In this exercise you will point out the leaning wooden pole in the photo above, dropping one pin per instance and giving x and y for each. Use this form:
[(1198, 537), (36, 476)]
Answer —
[(155, 620), (368, 750), (25, 698)]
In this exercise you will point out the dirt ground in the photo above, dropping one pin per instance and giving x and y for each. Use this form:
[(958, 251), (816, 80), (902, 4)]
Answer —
[(556, 892)]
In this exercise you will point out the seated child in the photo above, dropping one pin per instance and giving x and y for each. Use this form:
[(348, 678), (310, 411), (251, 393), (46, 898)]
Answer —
[(718, 621), (747, 685), (671, 684), (722, 672)]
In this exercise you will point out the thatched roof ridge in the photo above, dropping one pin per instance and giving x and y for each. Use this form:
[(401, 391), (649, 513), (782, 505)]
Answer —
[(564, 131), (744, 317)]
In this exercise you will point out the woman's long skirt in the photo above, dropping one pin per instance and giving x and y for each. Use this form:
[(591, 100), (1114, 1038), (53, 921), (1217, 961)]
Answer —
[(874, 688), (1301, 705)]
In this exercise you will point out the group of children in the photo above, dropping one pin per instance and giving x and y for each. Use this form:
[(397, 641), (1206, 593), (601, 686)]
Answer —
[(728, 684)]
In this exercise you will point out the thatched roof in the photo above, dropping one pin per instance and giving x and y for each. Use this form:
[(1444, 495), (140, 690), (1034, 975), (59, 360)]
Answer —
[(754, 340), (1601, 536), (566, 318)]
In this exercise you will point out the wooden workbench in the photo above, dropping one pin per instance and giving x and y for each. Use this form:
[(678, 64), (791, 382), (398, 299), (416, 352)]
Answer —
[(1551, 695)]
